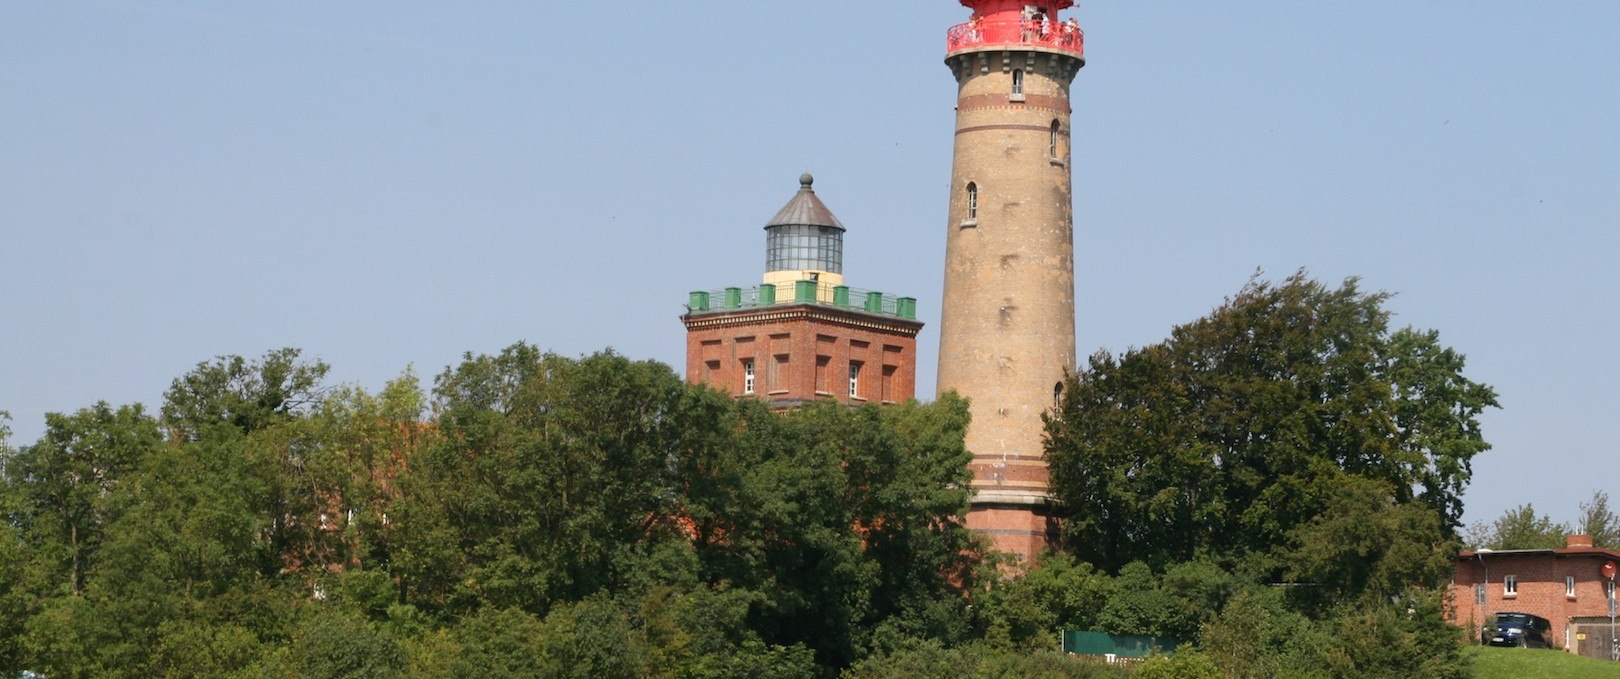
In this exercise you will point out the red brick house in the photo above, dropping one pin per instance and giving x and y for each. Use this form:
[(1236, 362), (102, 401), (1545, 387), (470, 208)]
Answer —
[(1567, 586)]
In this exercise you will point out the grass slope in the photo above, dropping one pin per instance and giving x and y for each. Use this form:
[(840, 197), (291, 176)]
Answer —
[(1534, 663)]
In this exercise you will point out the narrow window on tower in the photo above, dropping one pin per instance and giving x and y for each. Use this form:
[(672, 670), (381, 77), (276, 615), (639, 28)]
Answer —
[(1018, 85), (972, 202), (748, 375), (854, 379), (1052, 146)]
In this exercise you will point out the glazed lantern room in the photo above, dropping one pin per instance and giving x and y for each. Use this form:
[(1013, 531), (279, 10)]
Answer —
[(804, 235)]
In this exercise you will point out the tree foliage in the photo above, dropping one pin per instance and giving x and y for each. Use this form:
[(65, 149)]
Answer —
[(245, 395), (1598, 521), (541, 515), (1232, 436), (1522, 527), (550, 516)]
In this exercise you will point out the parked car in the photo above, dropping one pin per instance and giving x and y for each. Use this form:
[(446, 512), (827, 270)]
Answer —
[(1517, 629)]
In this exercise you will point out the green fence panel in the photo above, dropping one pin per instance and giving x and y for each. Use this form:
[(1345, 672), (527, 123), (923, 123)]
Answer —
[(1122, 645)]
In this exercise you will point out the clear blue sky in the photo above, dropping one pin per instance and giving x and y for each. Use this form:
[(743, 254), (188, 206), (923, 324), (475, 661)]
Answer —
[(391, 184)]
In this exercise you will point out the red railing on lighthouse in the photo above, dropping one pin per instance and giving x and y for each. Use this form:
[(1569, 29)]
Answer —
[(1064, 36)]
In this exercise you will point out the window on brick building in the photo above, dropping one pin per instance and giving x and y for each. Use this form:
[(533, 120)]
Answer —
[(1510, 585), (972, 201), (1569, 586), (854, 379), (1052, 145), (1018, 81), (748, 375)]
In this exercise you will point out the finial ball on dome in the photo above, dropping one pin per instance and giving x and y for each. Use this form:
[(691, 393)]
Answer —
[(805, 180)]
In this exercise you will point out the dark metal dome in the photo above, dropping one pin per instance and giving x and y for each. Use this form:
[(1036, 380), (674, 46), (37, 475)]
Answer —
[(805, 209)]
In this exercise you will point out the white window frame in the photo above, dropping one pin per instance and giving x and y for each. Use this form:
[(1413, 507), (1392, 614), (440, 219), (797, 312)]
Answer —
[(1510, 585), (1018, 82), (972, 201), (748, 376), (1569, 586), (854, 379)]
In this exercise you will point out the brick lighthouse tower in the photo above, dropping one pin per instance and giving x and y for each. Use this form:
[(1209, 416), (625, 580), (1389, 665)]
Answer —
[(1007, 325)]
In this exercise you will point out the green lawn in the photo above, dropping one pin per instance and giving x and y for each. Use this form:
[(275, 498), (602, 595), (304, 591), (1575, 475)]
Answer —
[(1535, 663)]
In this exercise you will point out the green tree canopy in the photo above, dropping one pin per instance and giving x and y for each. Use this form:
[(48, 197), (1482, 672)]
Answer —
[(1598, 521), (1519, 528), (1235, 434), (245, 395)]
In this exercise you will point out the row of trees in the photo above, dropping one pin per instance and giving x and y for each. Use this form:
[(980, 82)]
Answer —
[(1523, 528), (537, 515), (596, 514)]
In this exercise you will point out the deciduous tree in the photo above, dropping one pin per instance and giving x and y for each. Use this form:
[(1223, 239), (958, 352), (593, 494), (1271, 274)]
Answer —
[(1239, 429)]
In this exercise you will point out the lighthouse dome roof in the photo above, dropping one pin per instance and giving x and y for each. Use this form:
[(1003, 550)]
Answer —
[(805, 209)]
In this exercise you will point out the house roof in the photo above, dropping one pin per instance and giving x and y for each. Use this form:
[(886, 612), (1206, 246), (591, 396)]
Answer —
[(1562, 552)]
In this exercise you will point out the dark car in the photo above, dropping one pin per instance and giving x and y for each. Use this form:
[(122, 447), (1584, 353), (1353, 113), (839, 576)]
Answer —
[(1517, 629)]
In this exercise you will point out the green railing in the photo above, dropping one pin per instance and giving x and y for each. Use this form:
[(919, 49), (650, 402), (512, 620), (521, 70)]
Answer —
[(800, 292)]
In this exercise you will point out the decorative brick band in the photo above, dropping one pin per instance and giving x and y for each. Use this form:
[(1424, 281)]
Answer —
[(1047, 102), (850, 318)]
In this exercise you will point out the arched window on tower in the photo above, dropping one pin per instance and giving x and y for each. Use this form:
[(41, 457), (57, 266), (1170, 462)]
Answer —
[(1018, 82), (1057, 398), (1052, 146), (972, 201)]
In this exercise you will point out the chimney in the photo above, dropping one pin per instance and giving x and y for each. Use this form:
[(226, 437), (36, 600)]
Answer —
[(1577, 540)]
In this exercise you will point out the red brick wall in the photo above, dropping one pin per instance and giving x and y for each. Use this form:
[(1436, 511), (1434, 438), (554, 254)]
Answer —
[(801, 336), (1541, 588), (1020, 531)]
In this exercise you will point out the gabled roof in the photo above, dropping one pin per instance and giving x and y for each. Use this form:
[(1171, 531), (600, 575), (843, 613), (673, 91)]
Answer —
[(805, 209)]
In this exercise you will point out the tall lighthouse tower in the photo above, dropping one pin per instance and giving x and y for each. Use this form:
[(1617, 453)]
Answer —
[(1007, 329)]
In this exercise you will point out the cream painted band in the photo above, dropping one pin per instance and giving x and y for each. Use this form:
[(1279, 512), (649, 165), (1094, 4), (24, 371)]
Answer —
[(1011, 531), (1009, 458), (981, 128)]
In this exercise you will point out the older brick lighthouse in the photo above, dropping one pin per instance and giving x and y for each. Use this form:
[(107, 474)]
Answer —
[(1007, 329), (802, 335)]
